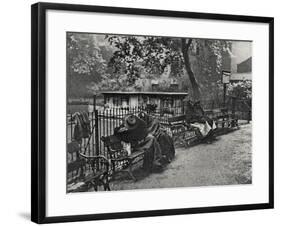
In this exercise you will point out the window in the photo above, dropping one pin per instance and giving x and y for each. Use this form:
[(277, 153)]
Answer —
[(117, 101)]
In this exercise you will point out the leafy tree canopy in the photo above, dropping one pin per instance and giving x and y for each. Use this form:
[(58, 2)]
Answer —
[(118, 62), (85, 56), (153, 55)]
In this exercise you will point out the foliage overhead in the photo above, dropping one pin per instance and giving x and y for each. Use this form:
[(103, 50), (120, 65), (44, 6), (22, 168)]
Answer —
[(241, 89), (84, 55), (153, 55), (118, 62), (150, 54)]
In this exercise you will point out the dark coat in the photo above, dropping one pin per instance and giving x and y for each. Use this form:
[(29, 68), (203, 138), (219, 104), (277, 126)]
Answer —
[(82, 128), (165, 141)]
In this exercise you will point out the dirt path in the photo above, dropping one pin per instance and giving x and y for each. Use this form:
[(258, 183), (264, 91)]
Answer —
[(226, 161)]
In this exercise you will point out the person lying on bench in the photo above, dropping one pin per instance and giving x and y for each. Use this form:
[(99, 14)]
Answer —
[(133, 130), (204, 125)]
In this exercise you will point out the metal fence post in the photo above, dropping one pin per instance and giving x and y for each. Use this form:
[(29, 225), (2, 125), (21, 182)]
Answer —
[(94, 102), (97, 132), (233, 105)]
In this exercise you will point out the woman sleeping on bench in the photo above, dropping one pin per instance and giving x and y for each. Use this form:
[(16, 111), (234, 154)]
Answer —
[(204, 125), (165, 141), (135, 131)]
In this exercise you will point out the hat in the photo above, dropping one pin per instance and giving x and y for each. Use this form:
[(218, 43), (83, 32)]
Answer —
[(137, 129), (145, 117), (131, 122)]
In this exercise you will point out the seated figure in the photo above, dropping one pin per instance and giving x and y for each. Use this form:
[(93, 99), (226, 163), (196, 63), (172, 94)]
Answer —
[(165, 141), (134, 131)]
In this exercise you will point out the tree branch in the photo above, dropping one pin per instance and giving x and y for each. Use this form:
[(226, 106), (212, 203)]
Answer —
[(193, 81), (185, 46)]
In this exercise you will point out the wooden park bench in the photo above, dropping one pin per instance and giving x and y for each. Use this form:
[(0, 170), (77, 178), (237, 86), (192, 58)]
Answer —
[(225, 120), (180, 129), (121, 162), (95, 176)]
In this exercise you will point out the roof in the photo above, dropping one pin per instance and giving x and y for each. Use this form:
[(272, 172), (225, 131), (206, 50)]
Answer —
[(245, 66), (241, 76), (145, 93)]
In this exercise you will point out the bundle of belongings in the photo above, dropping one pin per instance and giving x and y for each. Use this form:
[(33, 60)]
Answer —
[(143, 133), (82, 128), (204, 126)]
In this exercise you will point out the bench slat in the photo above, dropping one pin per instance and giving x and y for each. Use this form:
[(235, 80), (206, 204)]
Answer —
[(177, 118)]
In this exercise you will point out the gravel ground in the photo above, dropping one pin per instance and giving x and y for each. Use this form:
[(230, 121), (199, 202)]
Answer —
[(226, 161)]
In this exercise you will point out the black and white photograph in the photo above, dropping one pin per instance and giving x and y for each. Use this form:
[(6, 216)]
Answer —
[(126, 110), (156, 112), (132, 113)]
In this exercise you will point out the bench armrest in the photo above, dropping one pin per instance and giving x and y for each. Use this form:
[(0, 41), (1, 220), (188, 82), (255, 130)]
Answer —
[(93, 157), (129, 157)]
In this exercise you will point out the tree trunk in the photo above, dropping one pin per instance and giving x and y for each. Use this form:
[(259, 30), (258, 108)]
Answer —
[(193, 81)]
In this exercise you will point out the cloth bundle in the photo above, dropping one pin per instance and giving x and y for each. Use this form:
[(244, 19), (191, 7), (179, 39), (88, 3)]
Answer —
[(82, 127)]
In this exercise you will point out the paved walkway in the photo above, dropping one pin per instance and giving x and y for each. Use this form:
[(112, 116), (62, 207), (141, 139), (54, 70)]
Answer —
[(225, 161)]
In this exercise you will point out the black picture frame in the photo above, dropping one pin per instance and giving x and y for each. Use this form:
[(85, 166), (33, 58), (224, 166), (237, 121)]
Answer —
[(38, 111)]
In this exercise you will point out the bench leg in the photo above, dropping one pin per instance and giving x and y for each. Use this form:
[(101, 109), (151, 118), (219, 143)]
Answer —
[(106, 183), (107, 187), (131, 174), (130, 171), (94, 185)]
